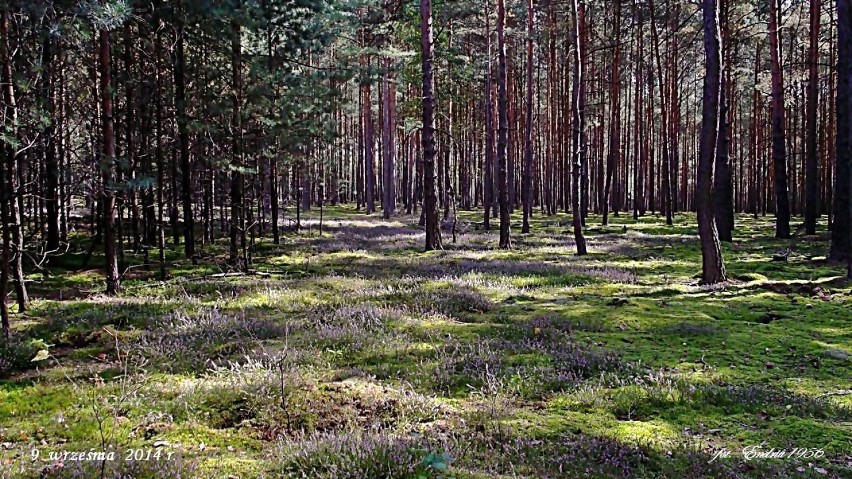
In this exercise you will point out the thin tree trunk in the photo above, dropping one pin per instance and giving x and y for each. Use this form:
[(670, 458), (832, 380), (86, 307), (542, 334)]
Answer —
[(502, 128), (13, 180), (51, 186), (130, 131), (6, 172), (578, 114), (812, 160), (488, 186), (389, 142), (5, 199), (613, 154), (779, 142), (665, 170), (369, 141), (238, 230), (526, 193), (158, 152), (183, 141)]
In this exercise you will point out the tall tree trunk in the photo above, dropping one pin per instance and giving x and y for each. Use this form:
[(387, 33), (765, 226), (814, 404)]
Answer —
[(665, 171), (108, 165), (273, 199), (713, 267), (841, 233), (723, 196), (13, 183), (369, 139), (6, 255), (389, 142), (51, 180), (183, 140), (638, 130), (158, 142), (7, 197), (502, 127), (812, 160), (779, 142), (488, 185), (273, 160), (526, 193), (754, 201), (578, 120), (430, 201), (238, 230), (613, 154), (130, 130)]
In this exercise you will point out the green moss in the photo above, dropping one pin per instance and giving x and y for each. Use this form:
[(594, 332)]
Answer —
[(460, 358)]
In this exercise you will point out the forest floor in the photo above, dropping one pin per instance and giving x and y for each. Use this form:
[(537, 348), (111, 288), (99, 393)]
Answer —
[(354, 355)]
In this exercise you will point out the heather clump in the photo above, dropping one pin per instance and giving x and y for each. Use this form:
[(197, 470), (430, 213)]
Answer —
[(358, 455), (193, 342)]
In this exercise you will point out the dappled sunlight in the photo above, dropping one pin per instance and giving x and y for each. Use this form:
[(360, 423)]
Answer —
[(618, 360)]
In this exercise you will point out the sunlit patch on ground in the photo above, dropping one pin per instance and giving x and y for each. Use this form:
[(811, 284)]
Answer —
[(354, 354)]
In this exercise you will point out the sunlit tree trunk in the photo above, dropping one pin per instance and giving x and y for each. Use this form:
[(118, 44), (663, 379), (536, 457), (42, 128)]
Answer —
[(578, 118), (526, 193), (713, 268)]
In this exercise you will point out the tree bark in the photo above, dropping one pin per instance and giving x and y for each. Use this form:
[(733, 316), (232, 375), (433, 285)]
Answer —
[(7, 197), (6, 255), (488, 185), (430, 200), (237, 227), (841, 233), (51, 180), (613, 153), (713, 267), (779, 141), (158, 148), (578, 116), (12, 179), (389, 142), (183, 139), (502, 128), (526, 186), (812, 160), (108, 165), (723, 199), (665, 170)]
